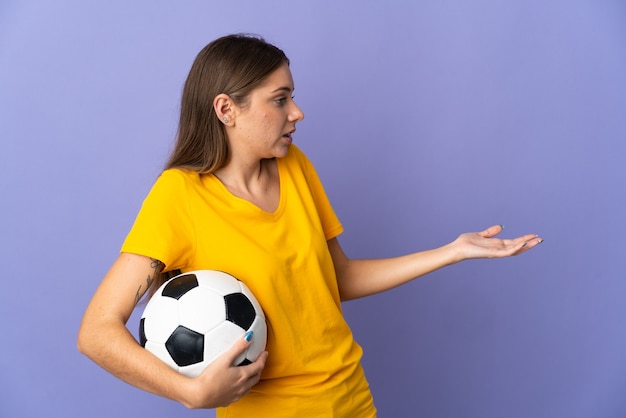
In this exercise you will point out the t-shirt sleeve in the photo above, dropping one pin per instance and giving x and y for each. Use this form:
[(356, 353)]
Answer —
[(164, 229), (330, 222)]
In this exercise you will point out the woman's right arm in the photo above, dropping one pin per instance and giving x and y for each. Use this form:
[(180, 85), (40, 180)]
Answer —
[(104, 338)]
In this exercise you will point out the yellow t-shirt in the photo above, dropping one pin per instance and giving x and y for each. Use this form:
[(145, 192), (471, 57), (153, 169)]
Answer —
[(192, 222)]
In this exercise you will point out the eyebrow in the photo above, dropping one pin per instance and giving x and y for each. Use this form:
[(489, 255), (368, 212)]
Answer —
[(285, 89)]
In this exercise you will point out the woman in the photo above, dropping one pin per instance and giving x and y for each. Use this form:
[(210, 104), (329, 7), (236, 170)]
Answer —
[(237, 196)]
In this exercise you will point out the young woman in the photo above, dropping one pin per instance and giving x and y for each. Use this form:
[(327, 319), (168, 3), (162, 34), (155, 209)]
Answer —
[(238, 196)]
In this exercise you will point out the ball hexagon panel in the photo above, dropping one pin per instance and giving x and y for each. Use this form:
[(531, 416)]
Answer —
[(219, 281), (159, 350), (163, 319), (201, 309), (219, 340)]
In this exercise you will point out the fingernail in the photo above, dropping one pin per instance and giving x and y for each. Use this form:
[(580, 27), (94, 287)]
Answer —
[(502, 226), (248, 335)]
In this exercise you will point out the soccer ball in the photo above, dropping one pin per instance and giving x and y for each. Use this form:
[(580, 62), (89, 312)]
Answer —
[(196, 316)]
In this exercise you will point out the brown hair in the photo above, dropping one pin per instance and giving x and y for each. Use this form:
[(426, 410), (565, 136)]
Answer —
[(234, 65)]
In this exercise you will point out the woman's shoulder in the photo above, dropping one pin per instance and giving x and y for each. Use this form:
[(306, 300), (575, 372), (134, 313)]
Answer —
[(297, 157), (295, 152), (178, 175), (176, 181)]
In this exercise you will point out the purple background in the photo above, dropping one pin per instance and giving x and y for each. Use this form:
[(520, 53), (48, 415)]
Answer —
[(425, 119)]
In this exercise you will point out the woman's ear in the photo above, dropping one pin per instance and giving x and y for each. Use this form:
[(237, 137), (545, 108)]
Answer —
[(223, 106)]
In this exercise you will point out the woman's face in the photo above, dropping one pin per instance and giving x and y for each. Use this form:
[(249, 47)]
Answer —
[(264, 126)]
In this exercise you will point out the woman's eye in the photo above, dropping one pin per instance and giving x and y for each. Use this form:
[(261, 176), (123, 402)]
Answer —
[(281, 101)]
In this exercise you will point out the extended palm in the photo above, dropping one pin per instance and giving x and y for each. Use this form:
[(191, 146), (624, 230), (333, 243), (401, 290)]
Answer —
[(484, 245)]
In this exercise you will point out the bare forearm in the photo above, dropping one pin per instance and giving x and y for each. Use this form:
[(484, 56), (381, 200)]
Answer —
[(113, 348), (359, 278)]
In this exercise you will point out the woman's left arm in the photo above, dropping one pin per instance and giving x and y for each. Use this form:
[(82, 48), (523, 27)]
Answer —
[(359, 278)]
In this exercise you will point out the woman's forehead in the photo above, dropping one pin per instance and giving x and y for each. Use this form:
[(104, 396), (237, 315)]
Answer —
[(279, 80)]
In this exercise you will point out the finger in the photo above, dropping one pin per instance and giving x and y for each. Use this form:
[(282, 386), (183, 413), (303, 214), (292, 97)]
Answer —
[(255, 368), (531, 242), (251, 373), (492, 231), (238, 348), (528, 239), (525, 243)]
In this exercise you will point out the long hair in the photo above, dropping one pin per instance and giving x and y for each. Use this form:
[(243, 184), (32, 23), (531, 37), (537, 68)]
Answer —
[(234, 65)]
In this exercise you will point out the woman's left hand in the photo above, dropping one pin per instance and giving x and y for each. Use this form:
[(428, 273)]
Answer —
[(484, 245)]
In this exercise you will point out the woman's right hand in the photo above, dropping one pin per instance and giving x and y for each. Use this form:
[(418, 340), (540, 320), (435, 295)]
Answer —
[(221, 383)]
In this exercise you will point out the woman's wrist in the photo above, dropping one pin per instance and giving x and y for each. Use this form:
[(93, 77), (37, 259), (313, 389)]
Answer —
[(453, 253)]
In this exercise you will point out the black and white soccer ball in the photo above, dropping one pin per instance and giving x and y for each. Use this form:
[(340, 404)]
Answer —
[(196, 316)]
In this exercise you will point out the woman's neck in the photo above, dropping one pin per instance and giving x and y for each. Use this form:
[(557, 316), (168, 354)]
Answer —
[(258, 184)]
